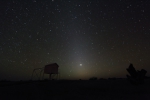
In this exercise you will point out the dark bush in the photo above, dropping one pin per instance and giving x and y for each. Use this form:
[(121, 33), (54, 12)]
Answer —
[(93, 78)]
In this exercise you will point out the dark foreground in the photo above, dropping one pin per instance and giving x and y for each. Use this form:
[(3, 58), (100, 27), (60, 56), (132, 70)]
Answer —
[(119, 89)]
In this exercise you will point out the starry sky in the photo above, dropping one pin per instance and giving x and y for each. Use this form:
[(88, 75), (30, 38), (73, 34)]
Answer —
[(86, 38)]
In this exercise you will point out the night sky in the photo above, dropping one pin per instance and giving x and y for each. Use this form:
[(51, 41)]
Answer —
[(86, 38)]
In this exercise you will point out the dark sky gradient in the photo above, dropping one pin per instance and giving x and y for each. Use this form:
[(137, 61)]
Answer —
[(84, 37)]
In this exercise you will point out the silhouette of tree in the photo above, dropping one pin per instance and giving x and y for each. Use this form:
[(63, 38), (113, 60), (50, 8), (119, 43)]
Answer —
[(136, 77)]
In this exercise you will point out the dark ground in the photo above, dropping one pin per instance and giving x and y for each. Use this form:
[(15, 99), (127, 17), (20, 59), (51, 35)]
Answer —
[(119, 89)]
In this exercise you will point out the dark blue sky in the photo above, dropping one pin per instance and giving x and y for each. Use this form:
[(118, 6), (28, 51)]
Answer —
[(104, 36)]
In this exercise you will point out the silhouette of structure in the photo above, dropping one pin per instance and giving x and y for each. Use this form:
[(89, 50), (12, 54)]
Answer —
[(51, 69), (37, 72), (136, 77)]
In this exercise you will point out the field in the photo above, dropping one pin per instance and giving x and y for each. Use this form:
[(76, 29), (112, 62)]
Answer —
[(119, 89)]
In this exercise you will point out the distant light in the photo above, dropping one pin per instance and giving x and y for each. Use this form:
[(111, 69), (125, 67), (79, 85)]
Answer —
[(80, 64)]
